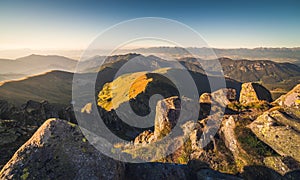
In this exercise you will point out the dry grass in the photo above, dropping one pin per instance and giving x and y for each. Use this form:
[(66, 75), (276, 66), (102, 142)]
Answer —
[(122, 89)]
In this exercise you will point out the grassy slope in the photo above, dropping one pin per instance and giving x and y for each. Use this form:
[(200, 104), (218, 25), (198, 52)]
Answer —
[(53, 86)]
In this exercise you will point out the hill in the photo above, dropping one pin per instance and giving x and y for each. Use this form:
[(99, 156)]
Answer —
[(34, 64), (277, 77), (54, 86)]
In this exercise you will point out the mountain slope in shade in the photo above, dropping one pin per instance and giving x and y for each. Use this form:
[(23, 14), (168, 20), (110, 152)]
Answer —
[(277, 77), (54, 86)]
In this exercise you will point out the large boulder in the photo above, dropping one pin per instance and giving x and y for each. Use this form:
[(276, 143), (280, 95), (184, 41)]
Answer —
[(253, 92), (280, 131), (241, 157), (168, 111), (167, 114), (58, 150), (291, 99)]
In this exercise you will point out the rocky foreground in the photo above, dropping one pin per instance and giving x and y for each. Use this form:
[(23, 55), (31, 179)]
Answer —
[(257, 139), (58, 150)]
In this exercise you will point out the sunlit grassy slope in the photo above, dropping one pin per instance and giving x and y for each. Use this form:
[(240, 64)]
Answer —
[(131, 86), (122, 89)]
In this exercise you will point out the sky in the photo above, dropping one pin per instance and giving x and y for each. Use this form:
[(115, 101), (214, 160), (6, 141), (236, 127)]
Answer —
[(72, 25)]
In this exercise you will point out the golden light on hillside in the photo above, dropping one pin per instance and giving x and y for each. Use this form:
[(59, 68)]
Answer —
[(122, 89)]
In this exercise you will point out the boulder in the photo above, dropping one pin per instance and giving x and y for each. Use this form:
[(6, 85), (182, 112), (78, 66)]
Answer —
[(224, 96), (253, 92), (241, 157), (291, 99), (167, 114), (168, 111), (58, 150), (221, 96), (279, 131)]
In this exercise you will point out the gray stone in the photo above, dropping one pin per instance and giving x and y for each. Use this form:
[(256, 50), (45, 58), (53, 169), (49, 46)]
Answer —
[(58, 150)]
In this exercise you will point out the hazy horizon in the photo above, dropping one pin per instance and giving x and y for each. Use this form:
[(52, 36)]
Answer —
[(73, 25), (76, 53)]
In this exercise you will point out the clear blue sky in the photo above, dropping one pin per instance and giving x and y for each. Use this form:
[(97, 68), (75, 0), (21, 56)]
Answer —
[(66, 24)]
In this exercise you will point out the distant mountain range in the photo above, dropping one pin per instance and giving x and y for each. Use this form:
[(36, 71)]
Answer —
[(291, 55), (277, 77), (34, 64), (56, 86)]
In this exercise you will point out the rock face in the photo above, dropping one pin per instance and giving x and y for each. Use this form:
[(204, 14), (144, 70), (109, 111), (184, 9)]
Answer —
[(279, 131), (58, 150), (253, 92), (17, 124), (12, 136), (35, 113), (167, 114), (291, 99)]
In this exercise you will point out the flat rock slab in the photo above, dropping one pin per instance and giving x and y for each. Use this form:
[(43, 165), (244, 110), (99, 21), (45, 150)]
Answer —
[(279, 132)]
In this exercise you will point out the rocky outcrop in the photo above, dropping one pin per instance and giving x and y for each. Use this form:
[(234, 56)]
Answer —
[(291, 99), (240, 155), (35, 113), (281, 164), (279, 131), (145, 137), (4, 108), (12, 136), (18, 124), (253, 92), (224, 96), (58, 150), (167, 114)]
